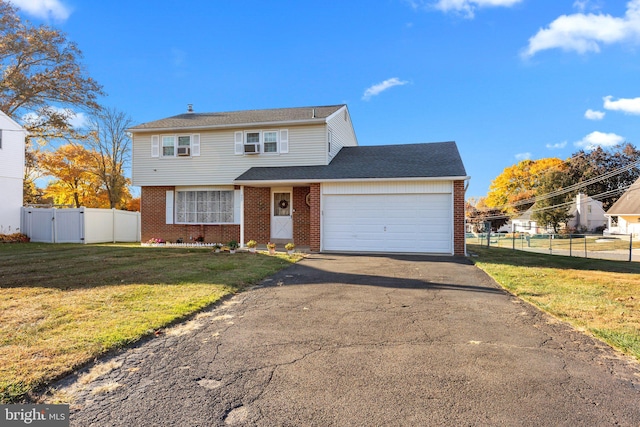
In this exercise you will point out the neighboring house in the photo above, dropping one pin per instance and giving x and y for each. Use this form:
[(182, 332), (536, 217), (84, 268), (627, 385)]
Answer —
[(587, 214), (12, 137), (296, 174), (624, 216)]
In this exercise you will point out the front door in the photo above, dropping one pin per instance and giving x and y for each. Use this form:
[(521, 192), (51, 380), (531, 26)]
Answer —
[(281, 214)]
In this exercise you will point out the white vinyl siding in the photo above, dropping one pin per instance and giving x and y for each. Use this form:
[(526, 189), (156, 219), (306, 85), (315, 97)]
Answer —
[(342, 134), (11, 173), (218, 163)]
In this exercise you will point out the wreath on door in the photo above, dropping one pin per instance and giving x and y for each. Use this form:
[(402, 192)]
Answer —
[(283, 204)]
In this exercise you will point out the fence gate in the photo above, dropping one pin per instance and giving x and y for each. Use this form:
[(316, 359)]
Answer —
[(53, 225)]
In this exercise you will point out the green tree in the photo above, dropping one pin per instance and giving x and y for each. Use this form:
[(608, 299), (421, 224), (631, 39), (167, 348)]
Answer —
[(552, 209), (584, 166)]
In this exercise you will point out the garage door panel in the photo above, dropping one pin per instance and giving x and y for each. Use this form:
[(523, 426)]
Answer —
[(388, 223)]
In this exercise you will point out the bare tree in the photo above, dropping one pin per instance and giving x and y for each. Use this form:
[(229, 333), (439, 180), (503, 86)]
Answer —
[(111, 144)]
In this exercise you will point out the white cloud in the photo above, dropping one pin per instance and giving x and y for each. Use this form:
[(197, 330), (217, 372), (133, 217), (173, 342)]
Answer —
[(381, 87), (75, 119), (594, 115), (599, 139), (466, 8), (587, 32), (44, 9), (626, 105), (523, 156), (557, 146)]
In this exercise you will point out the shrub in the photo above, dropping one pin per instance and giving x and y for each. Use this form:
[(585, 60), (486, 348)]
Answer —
[(14, 238)]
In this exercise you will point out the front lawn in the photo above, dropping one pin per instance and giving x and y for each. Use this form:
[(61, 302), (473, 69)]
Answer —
[(598, 296), (63, 305)]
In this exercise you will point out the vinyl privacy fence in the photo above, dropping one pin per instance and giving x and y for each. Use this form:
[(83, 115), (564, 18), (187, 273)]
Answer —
[(81, 225)]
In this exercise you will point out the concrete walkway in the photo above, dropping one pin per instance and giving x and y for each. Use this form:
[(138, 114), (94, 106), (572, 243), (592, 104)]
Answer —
[(366, 340)]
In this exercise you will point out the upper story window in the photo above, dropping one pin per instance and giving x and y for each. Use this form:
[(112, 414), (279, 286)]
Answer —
[(329, 141), (270, 142), (0, 139), (262, 142), (175, 145), (168, 146)]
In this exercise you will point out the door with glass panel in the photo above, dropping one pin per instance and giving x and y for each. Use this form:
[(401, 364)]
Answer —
[(281, 214)]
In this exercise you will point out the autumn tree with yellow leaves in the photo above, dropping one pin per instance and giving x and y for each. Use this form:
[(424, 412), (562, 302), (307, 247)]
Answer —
[(514, 189)]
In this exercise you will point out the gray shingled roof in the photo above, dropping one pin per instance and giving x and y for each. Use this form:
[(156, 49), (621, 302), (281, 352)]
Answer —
[(628, 203), (429, 160), (246, 117)]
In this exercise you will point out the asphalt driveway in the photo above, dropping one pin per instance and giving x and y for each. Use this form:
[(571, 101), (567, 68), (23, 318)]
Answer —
[(366, 340)]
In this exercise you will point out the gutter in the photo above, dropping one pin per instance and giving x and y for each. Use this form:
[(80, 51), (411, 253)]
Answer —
[(229, 126), (316, 180)]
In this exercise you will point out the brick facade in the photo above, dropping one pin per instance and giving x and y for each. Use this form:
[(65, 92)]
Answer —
[(257, 214), (301, 216), (458, 219), (314, 221), (153, 218)]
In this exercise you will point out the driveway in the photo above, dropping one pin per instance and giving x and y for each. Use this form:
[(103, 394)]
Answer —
[(366, 340)]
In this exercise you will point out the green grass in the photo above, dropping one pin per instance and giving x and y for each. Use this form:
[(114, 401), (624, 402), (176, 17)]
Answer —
[(63, 305), (598, 296)]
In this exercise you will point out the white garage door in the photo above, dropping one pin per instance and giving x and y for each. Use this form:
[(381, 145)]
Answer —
[(387, 223)]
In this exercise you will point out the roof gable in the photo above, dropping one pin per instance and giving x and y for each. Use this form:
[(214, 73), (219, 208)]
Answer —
[(242, 118), (629, 202)]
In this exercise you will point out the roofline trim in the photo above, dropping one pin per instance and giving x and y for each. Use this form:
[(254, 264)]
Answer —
[(310, 180), (230, 126)]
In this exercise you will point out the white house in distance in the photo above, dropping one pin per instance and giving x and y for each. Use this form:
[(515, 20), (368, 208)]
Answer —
[(12, 137), (588, 215), (624, 215)]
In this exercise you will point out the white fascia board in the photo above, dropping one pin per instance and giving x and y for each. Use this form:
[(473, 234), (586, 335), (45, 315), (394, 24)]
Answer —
[(230, 126), (331, 116), (309, 181)]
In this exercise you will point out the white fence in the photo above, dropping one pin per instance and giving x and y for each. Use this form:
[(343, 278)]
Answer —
[(81, 225)]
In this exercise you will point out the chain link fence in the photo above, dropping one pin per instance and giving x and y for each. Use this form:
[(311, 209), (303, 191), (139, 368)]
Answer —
[(615, 247)]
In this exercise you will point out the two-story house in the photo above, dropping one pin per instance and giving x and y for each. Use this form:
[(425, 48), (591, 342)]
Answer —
[(296, 174), (12, 137)]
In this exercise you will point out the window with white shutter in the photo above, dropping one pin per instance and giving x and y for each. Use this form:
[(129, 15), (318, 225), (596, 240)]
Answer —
[(284, 141), (155, 146)]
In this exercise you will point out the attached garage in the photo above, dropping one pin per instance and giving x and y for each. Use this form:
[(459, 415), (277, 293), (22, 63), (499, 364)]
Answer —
[(388, 217), (385, 199)]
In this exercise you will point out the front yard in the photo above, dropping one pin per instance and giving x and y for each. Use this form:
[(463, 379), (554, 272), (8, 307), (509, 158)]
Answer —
[(61, 306), (597, 296)]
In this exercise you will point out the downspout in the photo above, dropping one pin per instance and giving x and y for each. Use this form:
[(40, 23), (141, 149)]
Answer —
[(242, 216), (464, 213)]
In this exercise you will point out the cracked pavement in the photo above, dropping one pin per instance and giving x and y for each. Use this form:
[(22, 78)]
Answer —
[(364, 340)]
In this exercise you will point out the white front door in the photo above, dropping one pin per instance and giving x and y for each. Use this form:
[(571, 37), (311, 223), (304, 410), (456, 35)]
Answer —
[(281, 213)]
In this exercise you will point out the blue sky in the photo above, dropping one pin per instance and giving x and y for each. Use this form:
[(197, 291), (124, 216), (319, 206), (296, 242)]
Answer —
[(505, 79)]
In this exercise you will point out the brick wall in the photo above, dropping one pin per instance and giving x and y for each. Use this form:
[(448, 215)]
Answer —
[(458, 218), (257, 214), (301, 217), (153, 219), (314, 219)]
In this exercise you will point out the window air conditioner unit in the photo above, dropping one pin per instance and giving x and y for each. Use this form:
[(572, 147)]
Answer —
[(251, 148), (184, 151)]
